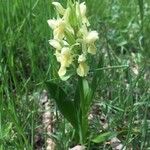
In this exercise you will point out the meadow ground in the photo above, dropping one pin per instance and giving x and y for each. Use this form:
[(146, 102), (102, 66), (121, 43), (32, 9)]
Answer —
[(27, 61)]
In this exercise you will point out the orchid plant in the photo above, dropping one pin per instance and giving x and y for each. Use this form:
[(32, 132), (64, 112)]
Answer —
[(73, 42)]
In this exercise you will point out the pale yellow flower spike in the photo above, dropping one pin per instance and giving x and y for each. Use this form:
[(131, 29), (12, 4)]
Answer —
[(65, 39)]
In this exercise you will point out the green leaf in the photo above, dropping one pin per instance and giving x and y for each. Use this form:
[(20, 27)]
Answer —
[(81, 95), (77, 96), (97, 77), (104, 137), (80, 101), (65, 106)]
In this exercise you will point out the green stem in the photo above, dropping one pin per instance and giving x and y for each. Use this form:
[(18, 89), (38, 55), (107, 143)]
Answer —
[(112, 67)]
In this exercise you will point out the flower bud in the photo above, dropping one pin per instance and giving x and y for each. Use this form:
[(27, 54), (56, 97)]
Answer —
[(82, 9), (59, 8), (81, 13)]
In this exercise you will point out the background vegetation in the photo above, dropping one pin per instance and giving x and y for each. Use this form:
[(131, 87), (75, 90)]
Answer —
[(26, 61)]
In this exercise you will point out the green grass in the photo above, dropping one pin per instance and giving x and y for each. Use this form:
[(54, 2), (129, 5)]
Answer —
[(26, 61)]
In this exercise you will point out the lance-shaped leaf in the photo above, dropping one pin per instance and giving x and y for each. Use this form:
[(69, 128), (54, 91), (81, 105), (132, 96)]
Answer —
[(64, 104)]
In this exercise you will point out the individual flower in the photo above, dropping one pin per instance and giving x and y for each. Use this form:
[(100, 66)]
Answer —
[(58, 27), (83, 68), (66, 57), (88, 38)]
